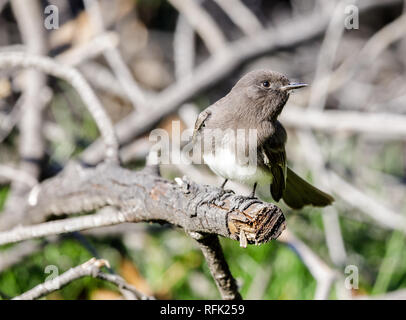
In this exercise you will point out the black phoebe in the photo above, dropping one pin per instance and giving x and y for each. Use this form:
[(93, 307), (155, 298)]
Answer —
[(255, 103)]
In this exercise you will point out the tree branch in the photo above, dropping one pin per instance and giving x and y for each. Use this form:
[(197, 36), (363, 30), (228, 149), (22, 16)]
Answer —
[(240, 15), (144, 197), (115, 60), (383, 125), (212, 251), (17, 253), (90, 268), (324, 275), (71, 75), (31, 141), (202, 22)]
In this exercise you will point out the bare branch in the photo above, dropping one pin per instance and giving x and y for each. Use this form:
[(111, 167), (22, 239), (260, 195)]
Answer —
[(350, 194), (101, 78), (95, 47), (212, 251), (389, 34), (382, 125), (241, 16), (184, 48), (12, 174), (323, 274), (367, 204), (17, 253), (317, 100), (202, 22), (334, 237), (392, 295), (31, 141), (71, 75), (115, 60), (90, 268), (334, 33), (143, 197)]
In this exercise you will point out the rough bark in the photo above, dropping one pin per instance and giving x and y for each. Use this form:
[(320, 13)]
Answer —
[(148, 197)]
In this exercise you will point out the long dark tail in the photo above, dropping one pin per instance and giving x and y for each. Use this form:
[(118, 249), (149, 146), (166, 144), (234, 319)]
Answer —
[(299, 193)]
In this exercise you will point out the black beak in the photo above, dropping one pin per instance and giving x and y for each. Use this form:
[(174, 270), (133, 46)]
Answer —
[(292, 86)]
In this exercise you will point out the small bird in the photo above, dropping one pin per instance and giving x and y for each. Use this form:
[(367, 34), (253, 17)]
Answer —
[(255, 102)]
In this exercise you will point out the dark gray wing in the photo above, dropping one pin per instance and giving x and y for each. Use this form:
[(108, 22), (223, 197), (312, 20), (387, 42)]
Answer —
[(272, 151), (274, 160)]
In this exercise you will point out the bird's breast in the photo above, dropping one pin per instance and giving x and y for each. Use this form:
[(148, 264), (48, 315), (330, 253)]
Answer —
[(225, 163)]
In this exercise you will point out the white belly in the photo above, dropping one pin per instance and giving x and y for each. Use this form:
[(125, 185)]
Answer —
[(225, 164)]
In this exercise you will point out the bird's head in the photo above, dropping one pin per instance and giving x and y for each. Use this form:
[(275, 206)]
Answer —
[(267, 90)]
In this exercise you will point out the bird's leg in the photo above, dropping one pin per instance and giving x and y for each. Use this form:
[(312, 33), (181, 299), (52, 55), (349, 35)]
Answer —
[(223, 184), (223, 187), (253, 191), (238, 200)]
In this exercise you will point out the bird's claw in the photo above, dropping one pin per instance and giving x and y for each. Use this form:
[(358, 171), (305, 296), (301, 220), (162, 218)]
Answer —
[(220, 196), (239, 200)]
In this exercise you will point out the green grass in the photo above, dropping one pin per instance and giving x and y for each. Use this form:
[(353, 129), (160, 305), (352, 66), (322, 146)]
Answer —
[(3, 196)]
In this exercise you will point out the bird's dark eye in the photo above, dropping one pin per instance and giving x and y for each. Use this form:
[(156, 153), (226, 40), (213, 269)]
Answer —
[(266, 84)]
